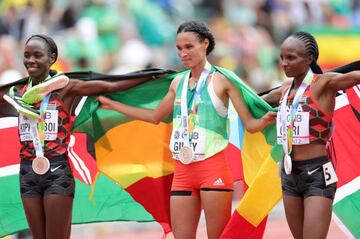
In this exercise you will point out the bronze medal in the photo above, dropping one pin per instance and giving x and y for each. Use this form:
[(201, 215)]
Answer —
[(40, 165)]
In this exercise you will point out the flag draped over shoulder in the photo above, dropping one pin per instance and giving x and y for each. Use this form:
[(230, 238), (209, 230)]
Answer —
[(135, 154)]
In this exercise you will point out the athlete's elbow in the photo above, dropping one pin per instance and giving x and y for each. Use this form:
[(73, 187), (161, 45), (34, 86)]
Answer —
[(250, 128), (155, 121)]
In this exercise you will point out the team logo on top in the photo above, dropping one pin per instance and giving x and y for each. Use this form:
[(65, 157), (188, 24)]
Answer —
[(177, 134)]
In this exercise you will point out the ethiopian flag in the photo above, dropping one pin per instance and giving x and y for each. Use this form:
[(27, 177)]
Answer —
[(135, 154), (259, 155), (336, 46)]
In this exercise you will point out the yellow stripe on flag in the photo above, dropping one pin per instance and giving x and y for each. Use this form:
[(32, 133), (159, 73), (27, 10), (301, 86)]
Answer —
[(261, 175), (134, 150), (253, 153), (262, 195), (338, 50)]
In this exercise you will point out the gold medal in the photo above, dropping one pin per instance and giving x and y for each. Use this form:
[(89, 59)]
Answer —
[(40, 165), (287, 164), (186, 155)]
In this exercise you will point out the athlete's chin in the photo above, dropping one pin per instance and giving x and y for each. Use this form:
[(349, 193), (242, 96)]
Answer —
[(32, 72), (187, 64), (289, 74)]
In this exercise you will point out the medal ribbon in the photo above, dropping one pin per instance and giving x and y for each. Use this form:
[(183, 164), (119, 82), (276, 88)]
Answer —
[(188, 122), (287, 124), (37, 128)]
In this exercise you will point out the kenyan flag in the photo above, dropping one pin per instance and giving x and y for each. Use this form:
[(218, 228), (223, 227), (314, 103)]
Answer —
[(347, 160), (106, 202)]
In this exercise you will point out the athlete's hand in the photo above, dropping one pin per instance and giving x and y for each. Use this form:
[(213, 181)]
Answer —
[(269, 118), (105, 102)]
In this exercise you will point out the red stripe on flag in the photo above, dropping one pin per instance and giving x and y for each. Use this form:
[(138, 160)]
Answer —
[(239, 228), (346, 144), (354, 96), (233, 155), (154, 195), (83, 159), (10, 146)]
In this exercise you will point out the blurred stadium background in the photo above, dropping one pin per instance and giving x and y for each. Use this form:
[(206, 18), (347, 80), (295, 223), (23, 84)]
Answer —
[(118, 36)]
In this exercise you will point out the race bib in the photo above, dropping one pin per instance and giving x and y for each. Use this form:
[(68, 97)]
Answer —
[(197, 143), (329, 174), (301, 128), (50, 126)]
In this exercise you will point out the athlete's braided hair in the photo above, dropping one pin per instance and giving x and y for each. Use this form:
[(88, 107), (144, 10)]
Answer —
[(201, 30), (311, 47), (52, 47)]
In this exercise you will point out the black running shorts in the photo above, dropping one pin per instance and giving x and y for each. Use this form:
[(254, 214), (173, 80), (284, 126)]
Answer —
[(307, 179), (58, 180)]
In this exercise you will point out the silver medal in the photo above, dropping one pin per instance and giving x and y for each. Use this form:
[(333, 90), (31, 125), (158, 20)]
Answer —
[(287, 164), (186, 155), (40, 165)]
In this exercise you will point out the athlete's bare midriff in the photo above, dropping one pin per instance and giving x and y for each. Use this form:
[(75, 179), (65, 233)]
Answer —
[(308, 151)]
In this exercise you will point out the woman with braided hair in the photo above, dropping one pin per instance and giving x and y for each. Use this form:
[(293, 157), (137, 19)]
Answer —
[(199, 100), (46, 181), (304, 126)]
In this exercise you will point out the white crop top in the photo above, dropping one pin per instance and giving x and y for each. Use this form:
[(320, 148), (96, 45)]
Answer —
[(220, 108)]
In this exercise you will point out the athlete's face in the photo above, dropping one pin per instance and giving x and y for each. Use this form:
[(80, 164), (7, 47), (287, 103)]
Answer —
[(191, 49), (37, 59), (293, 58)]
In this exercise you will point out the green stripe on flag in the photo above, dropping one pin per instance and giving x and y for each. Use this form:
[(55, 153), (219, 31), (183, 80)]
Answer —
[(348, 211), (12, 216), (110, 203), (258, 107), (147, 95), (333, 31)]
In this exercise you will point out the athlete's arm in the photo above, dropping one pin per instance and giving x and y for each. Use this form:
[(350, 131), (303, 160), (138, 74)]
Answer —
[(94, 87), (273, 96), (250, 123), (154, 116), (3, 90), (336, 82)]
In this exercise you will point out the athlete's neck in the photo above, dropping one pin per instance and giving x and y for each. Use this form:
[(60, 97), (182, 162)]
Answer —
[(38, 80), (298, 80), (196, 70)]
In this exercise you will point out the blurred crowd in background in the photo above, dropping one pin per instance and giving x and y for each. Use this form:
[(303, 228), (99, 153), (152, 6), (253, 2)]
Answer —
[(119, 36)]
